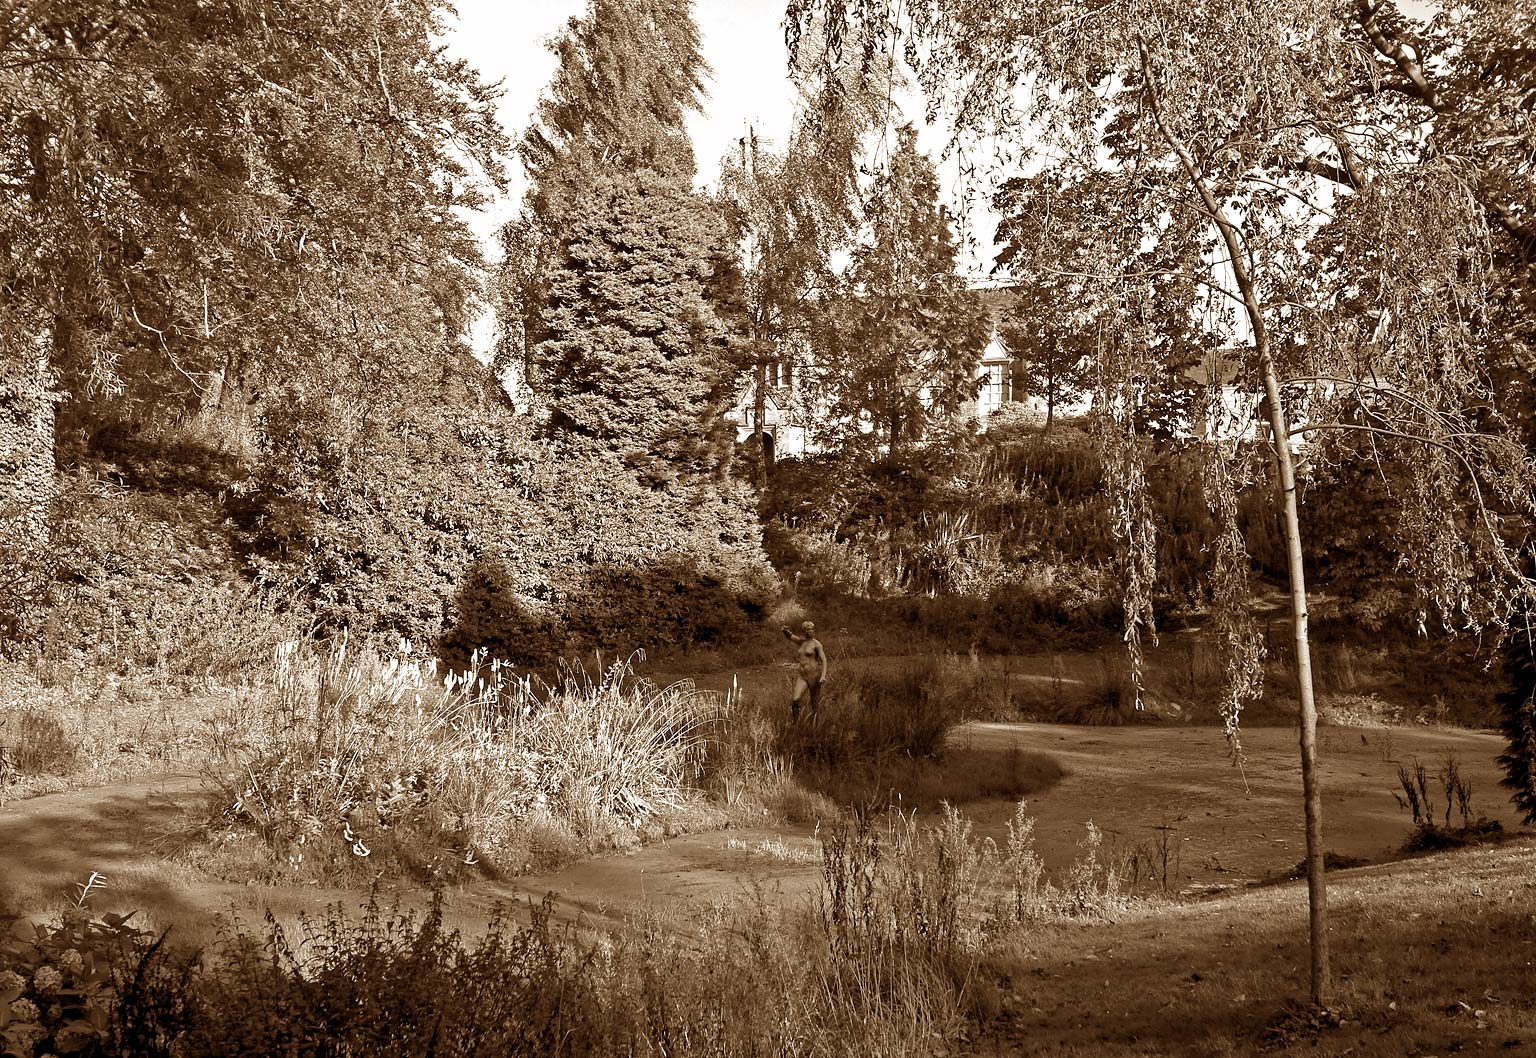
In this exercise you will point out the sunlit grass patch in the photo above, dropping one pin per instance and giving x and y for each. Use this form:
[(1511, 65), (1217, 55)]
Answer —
[(1419, 949)]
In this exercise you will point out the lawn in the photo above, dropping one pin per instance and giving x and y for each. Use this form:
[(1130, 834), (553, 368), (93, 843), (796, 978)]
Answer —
[(1432, 956)]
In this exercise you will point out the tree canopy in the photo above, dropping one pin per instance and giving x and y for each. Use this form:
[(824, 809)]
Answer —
[(621, 298), (202, 204), (1262, 156), (905, 333)]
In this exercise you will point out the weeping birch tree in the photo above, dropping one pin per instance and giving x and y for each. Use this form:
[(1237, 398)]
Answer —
[(1260, 171)]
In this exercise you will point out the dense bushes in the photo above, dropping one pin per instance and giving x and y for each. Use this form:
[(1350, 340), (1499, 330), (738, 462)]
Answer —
[(600, 561), (863, 977), (141, 574), (873, 713), (450, 527), (1517, 721), (1020, 519), (467, 532)]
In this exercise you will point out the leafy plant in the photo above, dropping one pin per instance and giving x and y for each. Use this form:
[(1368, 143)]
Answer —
[(63, 985)]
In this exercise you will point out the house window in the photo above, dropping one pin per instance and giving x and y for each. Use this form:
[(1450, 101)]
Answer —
[(992, 396), (780, 374)]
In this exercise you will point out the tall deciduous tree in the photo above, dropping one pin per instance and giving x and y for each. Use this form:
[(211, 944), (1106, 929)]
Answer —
[(905, 334), (1263, 162), (791, 211), (204, 203)]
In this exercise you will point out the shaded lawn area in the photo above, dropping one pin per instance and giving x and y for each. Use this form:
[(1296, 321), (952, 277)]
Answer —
[(1431, 957), (962, 776)]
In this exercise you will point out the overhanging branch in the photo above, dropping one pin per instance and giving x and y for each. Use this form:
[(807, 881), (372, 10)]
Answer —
[(1407, 63)]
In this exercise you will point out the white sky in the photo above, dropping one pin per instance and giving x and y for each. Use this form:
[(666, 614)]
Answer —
[(743, 40)]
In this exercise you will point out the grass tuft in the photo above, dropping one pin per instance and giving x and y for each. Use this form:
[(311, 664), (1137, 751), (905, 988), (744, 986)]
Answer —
[(355, 765)]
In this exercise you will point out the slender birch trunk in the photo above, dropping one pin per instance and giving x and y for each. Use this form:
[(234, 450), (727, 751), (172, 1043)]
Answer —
[(1311, 788), (1279, 431)]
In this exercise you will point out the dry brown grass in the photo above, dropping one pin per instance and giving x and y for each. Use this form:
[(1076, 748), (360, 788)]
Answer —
[(100, 728), (1431, 957)]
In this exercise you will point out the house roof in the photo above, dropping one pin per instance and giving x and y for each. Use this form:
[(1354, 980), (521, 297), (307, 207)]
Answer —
[(994, 298)]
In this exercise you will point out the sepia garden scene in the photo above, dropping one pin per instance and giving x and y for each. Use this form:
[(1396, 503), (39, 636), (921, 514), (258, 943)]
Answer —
[(768, 527)]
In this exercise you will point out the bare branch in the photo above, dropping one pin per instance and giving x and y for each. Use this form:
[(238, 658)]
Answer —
[(1317, 167), (1391, 48)]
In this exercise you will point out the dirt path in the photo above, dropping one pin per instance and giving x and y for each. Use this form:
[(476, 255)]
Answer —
[(126, 833), (1129, 781)]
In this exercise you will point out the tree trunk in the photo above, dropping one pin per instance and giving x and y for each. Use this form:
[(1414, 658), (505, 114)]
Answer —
[(760, 413), (1279, 429), (1311, 789), (1050, 401)]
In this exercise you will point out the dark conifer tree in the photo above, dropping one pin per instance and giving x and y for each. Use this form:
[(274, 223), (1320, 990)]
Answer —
[(634, 356), (614, 291)]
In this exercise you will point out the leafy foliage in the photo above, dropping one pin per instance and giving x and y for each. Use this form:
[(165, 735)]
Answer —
[(70, 987), (203, 203), (791, 211), (628, 75), (597, 560), (905, 333), (633, 358), (1231, 145), (1050, 349), (1518, 721)]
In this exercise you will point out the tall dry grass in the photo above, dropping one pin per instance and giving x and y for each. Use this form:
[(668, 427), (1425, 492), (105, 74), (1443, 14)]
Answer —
[(355, 764)]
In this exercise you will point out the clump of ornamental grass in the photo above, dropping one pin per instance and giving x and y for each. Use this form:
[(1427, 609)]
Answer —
[(355, 765), (936, 893)]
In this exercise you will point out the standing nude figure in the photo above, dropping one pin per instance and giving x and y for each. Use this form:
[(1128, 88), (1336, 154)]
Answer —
[(812, 660)]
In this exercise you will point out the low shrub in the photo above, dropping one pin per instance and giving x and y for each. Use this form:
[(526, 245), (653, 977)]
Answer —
[(869, 714), (884, 964), (940, 891), (1432, 838), (739, 979), (77, 985), (920, 893), (34, 742), (146, 582), (1358, 710), (1423, 792), (1103, 695)]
